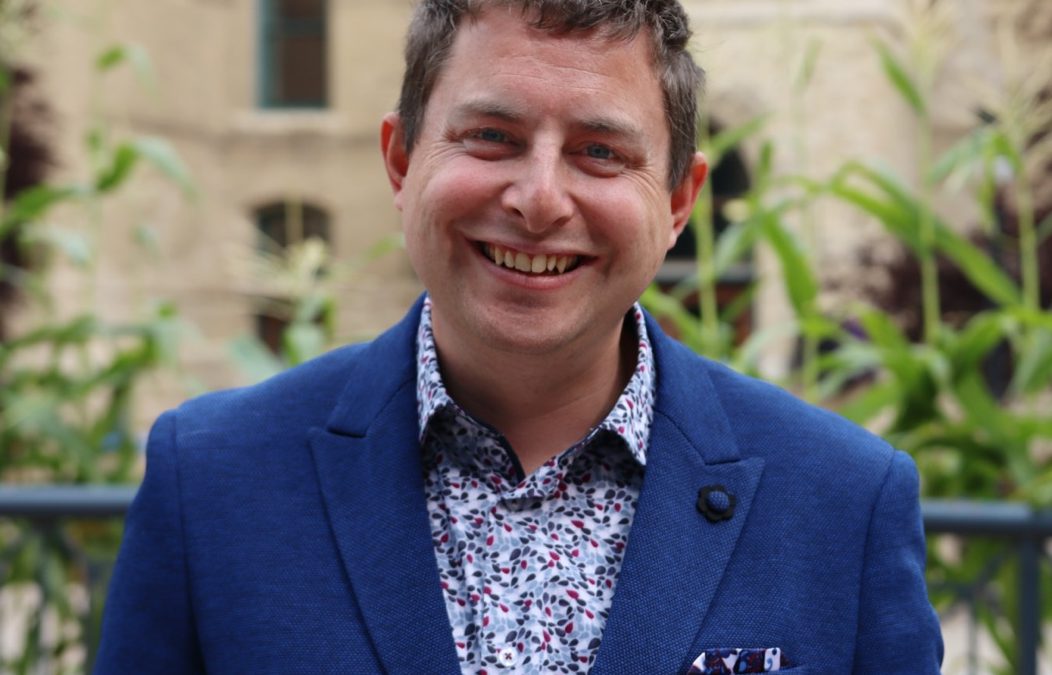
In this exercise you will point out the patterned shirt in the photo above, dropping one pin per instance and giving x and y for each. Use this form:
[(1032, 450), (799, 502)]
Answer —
[(528, 564)]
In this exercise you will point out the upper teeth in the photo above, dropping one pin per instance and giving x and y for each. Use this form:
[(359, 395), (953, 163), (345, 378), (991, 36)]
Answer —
[(536, 264)]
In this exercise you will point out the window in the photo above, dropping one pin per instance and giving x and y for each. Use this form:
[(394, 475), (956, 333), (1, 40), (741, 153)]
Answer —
[(280, 226), (293, 59), (730, 180)]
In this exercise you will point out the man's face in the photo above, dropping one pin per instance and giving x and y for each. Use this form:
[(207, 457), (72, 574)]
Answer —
[(535, 202)]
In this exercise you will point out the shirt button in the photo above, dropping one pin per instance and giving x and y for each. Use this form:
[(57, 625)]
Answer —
[(507, 657)]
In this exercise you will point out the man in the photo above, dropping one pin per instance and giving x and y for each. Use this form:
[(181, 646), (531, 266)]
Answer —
[(525, 475)]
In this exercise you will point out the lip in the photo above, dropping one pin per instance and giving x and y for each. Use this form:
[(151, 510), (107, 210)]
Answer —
[(537, 282)]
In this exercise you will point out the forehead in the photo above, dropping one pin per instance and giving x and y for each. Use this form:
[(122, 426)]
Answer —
[(499, 54)]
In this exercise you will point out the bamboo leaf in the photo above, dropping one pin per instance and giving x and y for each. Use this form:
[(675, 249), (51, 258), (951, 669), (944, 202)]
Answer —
[(1034, 370), (728, 139), (899, 212), (253, 359), (978, 266), (1044, 229), (871, 402), (734, 242), (124, 159), (806, 72), (800, 281), (665, 306), (32, 204), (133, 54), (964, 156), (974, 342), (159, 153), (899, 77)]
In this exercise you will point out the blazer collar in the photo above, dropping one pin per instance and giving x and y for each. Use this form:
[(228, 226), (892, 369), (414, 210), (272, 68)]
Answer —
[(676, 556), (369, 468)]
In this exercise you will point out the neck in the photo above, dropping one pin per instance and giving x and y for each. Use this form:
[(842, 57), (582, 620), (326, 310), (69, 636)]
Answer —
[(541, 403)]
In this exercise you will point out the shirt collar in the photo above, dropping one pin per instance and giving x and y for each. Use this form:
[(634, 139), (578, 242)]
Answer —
[(630, 418)]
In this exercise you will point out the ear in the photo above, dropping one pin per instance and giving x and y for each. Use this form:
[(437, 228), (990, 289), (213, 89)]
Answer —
[(396, 157), (685, 194)]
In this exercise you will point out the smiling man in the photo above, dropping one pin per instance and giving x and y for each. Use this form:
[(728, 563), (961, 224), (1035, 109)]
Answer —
[(525, 475)]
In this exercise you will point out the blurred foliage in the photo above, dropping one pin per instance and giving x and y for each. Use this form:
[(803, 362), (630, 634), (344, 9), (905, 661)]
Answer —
[(67, 378), (968, 396), (297, 287)]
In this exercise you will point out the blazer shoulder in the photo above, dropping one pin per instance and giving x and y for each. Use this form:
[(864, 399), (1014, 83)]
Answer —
[(771, 422), (300, 397)]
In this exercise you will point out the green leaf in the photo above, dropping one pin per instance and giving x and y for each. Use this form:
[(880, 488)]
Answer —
[(665, 306), (963, 156), (253, 359), (1044, 229), (159, 153), (135, 55), (899, 212), (899, 77), (1034, 370), (977, 265), (123, 161), (982, 333), (728, 139), (32, 204), (882, 330), (800, 281), (748, 355), (806, 72), (734, 242), (302, 341), (862, 408), (76, 246)]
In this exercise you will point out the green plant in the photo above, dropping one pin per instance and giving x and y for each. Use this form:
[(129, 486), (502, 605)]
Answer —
[(67, 384), (299, 287)]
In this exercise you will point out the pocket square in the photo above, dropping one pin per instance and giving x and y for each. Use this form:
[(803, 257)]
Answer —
[(731, 661)]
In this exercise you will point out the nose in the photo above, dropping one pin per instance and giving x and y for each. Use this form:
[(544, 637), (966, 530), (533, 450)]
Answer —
[(538, 195)]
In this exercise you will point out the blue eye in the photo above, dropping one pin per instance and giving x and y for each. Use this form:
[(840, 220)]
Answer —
[(599, 152), (491, 136)]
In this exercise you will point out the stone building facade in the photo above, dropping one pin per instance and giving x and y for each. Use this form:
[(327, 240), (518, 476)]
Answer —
[(208, 99)]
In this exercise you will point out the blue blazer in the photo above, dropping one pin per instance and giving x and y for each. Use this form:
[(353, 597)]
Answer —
[(282, 528)]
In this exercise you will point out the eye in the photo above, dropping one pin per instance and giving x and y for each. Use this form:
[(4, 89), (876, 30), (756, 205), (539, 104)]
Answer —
[(489, 143), (595, 151), (490, 135), (601, 160)]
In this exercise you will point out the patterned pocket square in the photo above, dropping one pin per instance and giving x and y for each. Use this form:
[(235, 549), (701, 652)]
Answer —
[(730, 661)]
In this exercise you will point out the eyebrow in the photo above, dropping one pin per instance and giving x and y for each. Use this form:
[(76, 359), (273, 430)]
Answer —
[(608, 126)]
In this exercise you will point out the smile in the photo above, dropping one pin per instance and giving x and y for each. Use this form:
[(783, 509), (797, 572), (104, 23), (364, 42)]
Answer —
[(530, 264)]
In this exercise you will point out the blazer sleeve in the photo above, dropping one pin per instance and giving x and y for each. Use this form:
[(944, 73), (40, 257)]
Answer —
[(148, 624), (898, 631)]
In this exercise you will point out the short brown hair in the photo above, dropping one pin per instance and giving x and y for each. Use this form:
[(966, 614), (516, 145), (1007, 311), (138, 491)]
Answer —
[(434, 27)]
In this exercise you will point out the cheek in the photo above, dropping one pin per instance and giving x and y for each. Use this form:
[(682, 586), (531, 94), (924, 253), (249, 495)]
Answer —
[(640, 224)]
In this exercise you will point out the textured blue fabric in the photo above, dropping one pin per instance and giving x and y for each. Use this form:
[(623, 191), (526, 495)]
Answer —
[(282, 528)]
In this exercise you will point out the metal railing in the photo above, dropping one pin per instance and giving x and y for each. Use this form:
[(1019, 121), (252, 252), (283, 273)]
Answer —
[(1023, 531)]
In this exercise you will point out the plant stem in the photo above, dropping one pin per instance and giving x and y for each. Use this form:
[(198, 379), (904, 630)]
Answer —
[(705, 237), (704, 232), (929, 269), (1028, 256), (7, 107)]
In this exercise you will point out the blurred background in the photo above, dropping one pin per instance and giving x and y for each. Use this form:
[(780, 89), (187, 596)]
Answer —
[(193, 199)]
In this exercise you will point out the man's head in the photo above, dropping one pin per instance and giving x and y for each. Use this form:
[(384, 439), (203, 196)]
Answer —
[(436, 22), (535, 195)]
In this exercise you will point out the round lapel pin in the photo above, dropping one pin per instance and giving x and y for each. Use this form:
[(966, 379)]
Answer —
[(715, 503)]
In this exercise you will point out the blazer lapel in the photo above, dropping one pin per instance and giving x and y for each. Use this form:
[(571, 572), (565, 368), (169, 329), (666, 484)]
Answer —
[(369, 468), (676, 556)]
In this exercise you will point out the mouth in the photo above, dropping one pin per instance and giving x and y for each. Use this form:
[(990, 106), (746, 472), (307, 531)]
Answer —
[(539, 264)]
